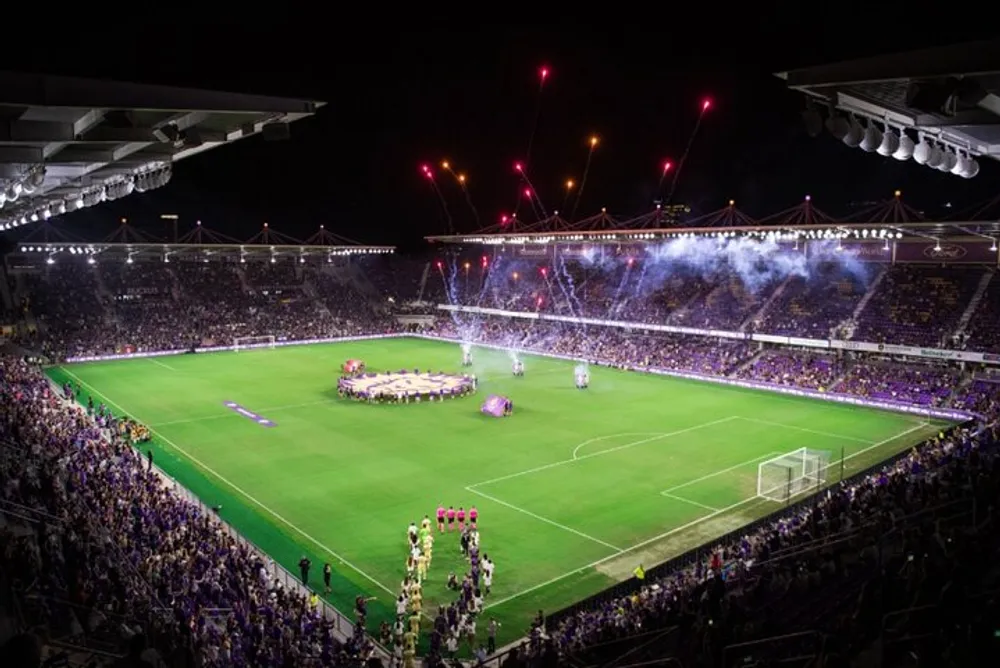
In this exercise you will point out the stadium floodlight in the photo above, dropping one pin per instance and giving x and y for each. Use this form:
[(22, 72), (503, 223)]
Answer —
[(948, 160), (922, 151), (890, 143), (838, 126), (786, 476), (855, 133), (906, 147), (872, 138)]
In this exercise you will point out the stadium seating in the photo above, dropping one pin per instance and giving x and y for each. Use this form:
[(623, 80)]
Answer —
[(823, 576), (812, 307), (918, 306), (983, 332)]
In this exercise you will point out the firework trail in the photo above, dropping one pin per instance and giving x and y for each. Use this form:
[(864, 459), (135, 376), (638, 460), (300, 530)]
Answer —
[(583, 182)]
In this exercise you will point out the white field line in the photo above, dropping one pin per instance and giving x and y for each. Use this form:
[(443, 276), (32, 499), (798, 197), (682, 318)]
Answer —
[(156, 361), (263, 411), (576, 450), (675, 530), (242, 492), (689, 501), (581, 458), (600, 561), (666, 492), (807, 430), (544, 519)]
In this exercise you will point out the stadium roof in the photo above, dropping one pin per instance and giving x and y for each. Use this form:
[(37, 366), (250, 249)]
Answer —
[(948, 94), (987, 232), (32, 251), (67, 143)]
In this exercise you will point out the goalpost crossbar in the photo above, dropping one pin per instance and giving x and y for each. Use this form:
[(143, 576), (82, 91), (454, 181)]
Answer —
[(783, 477), (247, 342)]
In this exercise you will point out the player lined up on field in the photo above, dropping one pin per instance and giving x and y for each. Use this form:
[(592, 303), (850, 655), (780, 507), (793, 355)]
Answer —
[(454, 622)]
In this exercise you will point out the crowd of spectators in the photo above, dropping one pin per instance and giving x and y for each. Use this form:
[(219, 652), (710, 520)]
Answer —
[(876, 377), (813, 372), (89, 309), (106, 308), (115, 543), (921, 385), (107, 540), (983, 331), (918, 306), (811, 308)]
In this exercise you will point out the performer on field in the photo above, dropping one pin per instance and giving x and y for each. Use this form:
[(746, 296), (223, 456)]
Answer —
[(518, 368)]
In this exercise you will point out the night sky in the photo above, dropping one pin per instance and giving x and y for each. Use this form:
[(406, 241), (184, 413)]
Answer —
[(398, 98)]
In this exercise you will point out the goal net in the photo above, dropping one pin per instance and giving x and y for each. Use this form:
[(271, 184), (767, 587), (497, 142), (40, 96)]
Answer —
[(791, 474), (245, 342)]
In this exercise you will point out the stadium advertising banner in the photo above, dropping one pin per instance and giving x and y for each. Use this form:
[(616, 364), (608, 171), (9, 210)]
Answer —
[(863, 346), (862, 251), (216, 349), (885, 404), (959, 252), (534, 251)]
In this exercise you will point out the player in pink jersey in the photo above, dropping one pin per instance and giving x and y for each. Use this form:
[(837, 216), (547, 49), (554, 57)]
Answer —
[(440, 518), (473, 516), (461, 518), (451, 517)]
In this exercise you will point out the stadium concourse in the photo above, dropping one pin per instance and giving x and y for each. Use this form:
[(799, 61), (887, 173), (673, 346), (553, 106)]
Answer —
[(883, 541)]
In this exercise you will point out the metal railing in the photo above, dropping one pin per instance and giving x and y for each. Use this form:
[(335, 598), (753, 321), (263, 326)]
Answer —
[(792, 647)]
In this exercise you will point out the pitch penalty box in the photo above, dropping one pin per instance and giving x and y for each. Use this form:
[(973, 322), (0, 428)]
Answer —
[(602, 477)]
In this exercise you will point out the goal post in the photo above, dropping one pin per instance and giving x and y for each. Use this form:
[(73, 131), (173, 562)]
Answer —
[(784, 477), (248, 342)]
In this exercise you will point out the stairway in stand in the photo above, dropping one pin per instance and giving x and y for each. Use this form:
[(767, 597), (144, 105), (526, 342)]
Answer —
[(977, 297)]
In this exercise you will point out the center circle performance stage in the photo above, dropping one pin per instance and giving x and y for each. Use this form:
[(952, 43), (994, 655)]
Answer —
[(405, 386)]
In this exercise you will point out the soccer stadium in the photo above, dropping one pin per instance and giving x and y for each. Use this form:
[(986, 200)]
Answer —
[(721, 441)]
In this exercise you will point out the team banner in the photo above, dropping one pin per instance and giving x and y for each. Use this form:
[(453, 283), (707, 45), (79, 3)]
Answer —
[(959, 252)]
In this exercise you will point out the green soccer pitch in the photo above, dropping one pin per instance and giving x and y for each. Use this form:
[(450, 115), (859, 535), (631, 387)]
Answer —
[(574, 490)]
